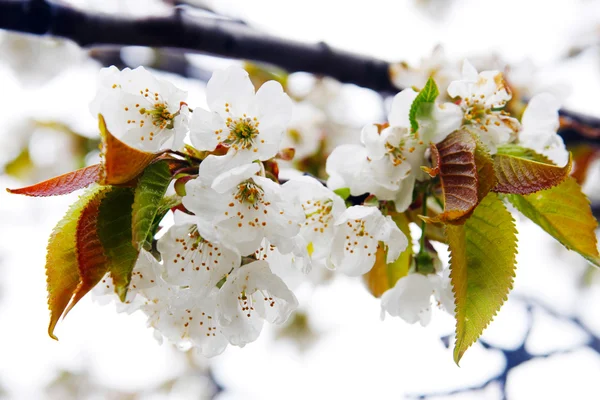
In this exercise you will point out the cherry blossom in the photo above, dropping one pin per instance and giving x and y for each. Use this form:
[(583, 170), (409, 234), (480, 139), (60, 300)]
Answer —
[(388, 163), (251, 295), (189, 320), (144, 112), (482, 99), (305, 130), (190, 260), (410, 298), (250, 124), (539, 126), (239, 209), (360, 231), (321, 207)]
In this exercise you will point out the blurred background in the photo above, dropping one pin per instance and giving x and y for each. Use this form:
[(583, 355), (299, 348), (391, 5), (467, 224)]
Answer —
[(545, 342)]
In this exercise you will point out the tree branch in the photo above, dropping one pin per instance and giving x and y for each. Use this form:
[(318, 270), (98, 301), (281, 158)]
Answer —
[(225, 38), (520, 355), (181, 30)]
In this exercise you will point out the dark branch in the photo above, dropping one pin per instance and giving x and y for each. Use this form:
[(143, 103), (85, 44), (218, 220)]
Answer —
[(521, 355), (222, 37), (216, 36)]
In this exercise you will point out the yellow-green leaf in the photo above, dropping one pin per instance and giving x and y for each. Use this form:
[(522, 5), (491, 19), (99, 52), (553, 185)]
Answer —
[(483, 253), (62, 272), (21, 166), (564, 212)]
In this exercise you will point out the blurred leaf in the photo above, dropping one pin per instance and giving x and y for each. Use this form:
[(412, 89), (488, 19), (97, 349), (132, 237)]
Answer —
[(344, 193), (121, 163), (483, 255), (384, 276), (261, 73), (459, 160), (422, 103), (62, 272), (583, 156), (21, 166), (526, 174), (564, 212), (62, 184), (149, 192), (114, 232)]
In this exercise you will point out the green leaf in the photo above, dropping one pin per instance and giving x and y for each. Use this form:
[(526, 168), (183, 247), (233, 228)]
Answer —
[(62, 272), (523, 171), (344, 193), (419, 105), (384, 276), (564, 212), (114, 232), (149, 192), (483, 255)]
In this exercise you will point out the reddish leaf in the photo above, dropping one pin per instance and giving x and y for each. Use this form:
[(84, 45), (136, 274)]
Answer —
[(459, 160), (91, 260), (121, 163), (518, 175), (63, 184)]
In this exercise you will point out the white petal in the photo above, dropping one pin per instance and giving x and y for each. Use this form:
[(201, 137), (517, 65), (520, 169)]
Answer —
[(398, 116), (274, 107), (409, 299), (230, 179), (207, 129), (231, 89), (373, 141)]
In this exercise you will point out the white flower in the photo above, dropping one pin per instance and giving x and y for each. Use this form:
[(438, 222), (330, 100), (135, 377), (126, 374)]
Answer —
[(359, 232), (291, 267), (251, 295), (410, 298), (443, 119), (387, 163), (252, 125), (482, 98), (437, 65), (144, 112), (190, 260), (145, 278), (539, 126), (187, 319), (305, 131), (321, 207), (240, 209)]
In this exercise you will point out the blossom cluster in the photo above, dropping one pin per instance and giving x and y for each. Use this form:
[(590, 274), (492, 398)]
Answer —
[(224, 263), (241, 233)]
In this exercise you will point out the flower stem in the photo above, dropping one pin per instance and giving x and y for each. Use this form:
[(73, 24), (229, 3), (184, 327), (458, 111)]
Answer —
[(423, 260)]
